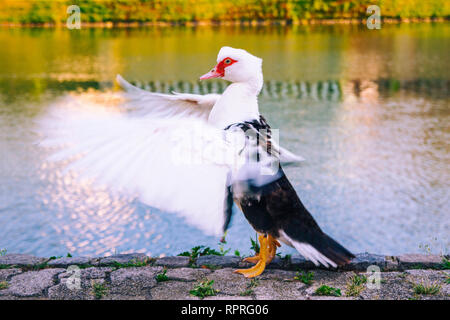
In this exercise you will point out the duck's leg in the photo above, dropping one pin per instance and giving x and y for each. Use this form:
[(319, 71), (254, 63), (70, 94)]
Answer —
[(272, 249), (253, 259), (257, 269)]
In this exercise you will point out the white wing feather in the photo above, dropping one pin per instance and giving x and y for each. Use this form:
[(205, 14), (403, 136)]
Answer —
[(286, 156), (169, 156), (160, 161), (167, 105)]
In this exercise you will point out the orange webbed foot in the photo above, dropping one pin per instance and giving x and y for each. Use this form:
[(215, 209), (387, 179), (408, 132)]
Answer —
[(261, 259)]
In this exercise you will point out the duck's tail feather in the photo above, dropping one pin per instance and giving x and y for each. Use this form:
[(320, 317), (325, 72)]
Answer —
[(322, 250)]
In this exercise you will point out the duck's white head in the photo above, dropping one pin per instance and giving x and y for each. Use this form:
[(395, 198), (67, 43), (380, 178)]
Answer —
[(236, 65)]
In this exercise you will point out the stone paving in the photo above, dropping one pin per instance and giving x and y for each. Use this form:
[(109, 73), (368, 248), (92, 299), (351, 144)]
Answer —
[(136, 276)]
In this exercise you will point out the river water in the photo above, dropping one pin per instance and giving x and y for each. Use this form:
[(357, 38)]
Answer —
[(368, 109)]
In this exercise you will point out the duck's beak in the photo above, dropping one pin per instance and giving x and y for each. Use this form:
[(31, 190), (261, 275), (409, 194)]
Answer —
[(212, 74)]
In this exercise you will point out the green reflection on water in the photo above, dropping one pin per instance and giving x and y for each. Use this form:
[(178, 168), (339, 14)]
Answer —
[(299, 52)]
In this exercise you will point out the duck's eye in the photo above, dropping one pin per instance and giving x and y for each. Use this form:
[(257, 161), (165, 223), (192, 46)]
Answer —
[(227, 61)]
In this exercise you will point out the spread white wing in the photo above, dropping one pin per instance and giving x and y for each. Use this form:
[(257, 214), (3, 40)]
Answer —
[(176, 165), (167, 105), (169, 157)]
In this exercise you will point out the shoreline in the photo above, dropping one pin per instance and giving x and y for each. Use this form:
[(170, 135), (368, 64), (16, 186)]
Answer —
[(234, 23), (139, 277)]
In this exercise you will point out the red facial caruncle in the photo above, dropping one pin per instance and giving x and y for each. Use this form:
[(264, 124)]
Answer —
[(219, 70)]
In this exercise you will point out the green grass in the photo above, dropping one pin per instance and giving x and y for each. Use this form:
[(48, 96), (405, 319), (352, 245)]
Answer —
[(417, 266), (99, 290), (250, 286), (254, 245), (36, 267), (54, 257), (161, 277), (305, 277), (133, 263), (325, 290), (356, 285), (200, 251), (427, 289), (222, 250), (247, 292), (4, 285), (445, 265), (359, 279), (204, 289)]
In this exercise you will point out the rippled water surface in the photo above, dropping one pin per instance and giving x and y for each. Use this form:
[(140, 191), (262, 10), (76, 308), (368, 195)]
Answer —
[(368, 109)]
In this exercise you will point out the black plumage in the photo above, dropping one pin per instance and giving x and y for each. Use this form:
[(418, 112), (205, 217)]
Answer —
[(275, 208)]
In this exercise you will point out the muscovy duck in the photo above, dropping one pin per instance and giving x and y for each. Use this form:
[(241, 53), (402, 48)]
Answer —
[(195, 155)]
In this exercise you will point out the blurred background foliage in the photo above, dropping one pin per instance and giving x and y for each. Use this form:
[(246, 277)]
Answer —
[(182, 11)]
